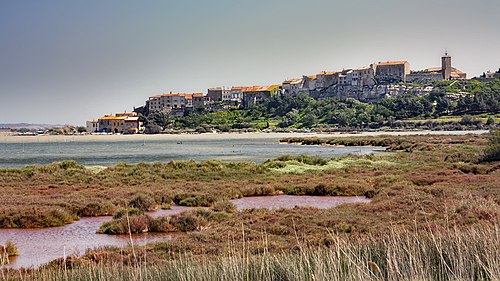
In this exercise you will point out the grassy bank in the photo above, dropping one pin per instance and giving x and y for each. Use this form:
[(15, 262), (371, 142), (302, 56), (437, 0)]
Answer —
[(466, 254)]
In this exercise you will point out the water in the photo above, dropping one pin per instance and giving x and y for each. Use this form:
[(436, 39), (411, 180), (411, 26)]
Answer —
[(39, 246), (103, 151)]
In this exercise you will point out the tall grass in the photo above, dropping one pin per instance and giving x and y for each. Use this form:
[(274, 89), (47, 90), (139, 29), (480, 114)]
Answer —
[(468, 254)]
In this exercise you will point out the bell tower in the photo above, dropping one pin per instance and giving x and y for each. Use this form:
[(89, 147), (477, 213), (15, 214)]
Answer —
[(446, 66)]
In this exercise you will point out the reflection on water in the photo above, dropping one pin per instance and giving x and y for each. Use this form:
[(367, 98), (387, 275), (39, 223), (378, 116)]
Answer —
[(39, 246), (108, 153)]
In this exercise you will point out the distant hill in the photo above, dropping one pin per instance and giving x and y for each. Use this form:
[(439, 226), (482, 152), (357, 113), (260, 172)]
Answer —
[(28, 126)]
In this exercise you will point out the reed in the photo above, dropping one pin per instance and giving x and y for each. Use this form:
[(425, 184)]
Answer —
[(453, 254)]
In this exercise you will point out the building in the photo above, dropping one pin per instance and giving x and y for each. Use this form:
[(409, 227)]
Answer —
[(491, 75), (153, 104), (326, 79), (292, 86), (132, 125), (112, 124), (258, 94), (237, 93), (166, 102), (198, 100), (392, 71), (92, 126), (215, 94), (445, 72), (309, 83), (119, 124), (363, 76), (171, 101)]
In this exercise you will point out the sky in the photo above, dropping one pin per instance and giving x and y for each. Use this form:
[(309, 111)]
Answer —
[(65, 62)]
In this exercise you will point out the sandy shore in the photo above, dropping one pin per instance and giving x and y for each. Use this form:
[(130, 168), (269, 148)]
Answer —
[(7, 138)]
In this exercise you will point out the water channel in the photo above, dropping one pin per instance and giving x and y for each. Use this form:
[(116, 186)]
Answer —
[(39, 246)]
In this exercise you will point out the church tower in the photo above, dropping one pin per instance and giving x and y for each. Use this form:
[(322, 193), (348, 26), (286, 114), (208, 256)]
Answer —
[(446, 66)]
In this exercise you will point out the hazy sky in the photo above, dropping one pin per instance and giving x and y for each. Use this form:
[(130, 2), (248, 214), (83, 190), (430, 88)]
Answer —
[(69, 61)]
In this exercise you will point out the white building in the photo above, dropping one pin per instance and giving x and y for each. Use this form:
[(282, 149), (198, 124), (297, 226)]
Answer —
[(92, 126)]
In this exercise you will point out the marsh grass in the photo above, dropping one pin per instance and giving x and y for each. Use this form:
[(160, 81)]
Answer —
[(466, 254), (293, 166)]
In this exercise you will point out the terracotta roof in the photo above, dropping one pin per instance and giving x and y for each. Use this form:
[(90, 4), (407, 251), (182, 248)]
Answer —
[(261, 88), (112, 118), (457, 71), (93, 121), (326, 73), (312, 77), (293, 80), (392, 63), (433, 69)]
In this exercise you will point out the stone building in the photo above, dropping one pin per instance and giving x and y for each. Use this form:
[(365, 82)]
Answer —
[(326, 79), (215, 94), (309, 82), (363, 76), (258, 94), (392, 71), (198, 100), (292, 86), (445, 72), (166, 102)]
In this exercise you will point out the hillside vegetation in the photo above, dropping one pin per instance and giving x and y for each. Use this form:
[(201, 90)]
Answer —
[(477, 105)]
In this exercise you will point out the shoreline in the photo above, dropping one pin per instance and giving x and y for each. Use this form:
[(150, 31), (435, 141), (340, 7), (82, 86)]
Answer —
[(9, 138)]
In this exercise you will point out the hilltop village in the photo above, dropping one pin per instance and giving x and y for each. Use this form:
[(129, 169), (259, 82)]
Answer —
[(368, 84)]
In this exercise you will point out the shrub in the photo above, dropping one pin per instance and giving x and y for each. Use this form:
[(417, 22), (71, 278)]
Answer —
[(224, 206), (65, 165), (134, 224), (143, 202), (131, 212), (186, 222), (198, 201), (161, 224), (492, 152), (96, 209)]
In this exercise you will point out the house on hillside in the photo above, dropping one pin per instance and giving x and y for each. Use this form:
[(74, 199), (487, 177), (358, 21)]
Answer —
[(392, 71), (445, 72), (257, 94), (292, 86), (215, 94), (326, 79), (364, 76)]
